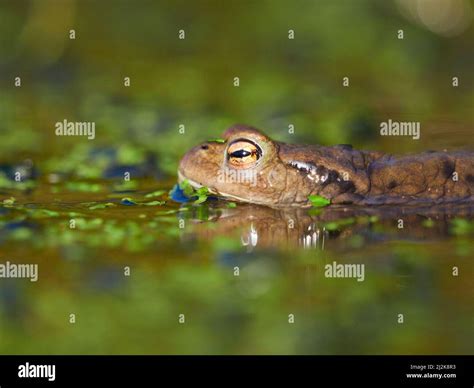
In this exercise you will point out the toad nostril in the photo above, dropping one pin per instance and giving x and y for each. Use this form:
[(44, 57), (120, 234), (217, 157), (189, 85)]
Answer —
[(204, 147)]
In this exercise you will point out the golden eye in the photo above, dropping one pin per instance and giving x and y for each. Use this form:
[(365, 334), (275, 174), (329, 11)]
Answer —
[(243, 153)]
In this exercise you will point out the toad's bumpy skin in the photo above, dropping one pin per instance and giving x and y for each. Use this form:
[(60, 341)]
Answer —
[(250, 167)]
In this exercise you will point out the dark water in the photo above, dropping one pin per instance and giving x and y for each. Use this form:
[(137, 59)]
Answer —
[(248, 279)]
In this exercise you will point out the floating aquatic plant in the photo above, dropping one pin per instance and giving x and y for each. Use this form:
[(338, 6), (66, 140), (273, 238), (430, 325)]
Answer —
[(217, 140), (102, 206), (157, 193), (128, 202), (184, 192), (318, 201)]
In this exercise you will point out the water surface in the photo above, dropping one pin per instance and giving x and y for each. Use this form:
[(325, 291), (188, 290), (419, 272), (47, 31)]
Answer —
[(247, 279)]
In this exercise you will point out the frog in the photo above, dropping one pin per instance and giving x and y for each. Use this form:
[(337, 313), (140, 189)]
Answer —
[(245, 165)]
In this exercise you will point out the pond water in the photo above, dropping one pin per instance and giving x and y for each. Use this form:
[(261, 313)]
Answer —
[(142, 273), (123, 268)]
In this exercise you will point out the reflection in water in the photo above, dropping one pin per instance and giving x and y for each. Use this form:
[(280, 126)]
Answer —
[(314, 238), (313, 229), (237, 273), (250, 239)]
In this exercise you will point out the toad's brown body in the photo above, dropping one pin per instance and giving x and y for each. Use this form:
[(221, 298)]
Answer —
[(286, 174)]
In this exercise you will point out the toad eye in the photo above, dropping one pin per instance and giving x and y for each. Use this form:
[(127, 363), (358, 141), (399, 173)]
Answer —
[(243, 153)]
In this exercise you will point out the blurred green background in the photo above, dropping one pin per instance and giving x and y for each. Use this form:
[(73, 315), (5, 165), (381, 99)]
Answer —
[(282, 81), (190, 81)]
